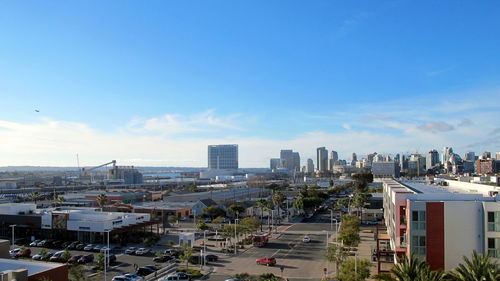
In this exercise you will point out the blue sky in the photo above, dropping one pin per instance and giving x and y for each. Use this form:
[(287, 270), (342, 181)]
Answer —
[(152, 83)]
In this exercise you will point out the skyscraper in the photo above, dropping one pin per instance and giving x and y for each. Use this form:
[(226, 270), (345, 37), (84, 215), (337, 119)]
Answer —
[(322, 159), (290, 160), (274, 163), (432, 159), (470, 156), (447, 152), (354, 159), (310, 166), (223, 156)]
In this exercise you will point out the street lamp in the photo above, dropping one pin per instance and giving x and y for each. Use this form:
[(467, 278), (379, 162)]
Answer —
[(235, 239), (106, 254), (204, 247), (13, 233)]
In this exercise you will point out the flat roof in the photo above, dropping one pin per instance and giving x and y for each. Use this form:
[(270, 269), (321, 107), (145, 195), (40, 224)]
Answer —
[(420, 187), (31, 266)]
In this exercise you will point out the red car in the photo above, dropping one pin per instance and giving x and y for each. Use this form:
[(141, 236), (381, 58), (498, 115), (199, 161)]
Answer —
[(267, 261), (74, 259), (23, 253), (86, 259)]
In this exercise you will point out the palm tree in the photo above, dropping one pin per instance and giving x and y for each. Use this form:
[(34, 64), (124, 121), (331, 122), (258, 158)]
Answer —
[(261, 203), (409, 269), (278, 199), (479, 267), (101, 200), (59, 200), (34, 196)]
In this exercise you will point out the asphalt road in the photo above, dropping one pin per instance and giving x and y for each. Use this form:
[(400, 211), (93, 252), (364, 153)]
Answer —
[(299, 260)]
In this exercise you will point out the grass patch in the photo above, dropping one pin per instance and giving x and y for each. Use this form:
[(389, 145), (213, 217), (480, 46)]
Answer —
[(194, 272)]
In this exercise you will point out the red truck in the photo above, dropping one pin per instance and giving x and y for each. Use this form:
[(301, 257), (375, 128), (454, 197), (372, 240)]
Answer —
[(260, 240)]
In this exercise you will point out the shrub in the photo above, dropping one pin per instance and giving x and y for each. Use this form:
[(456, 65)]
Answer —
[(194, 272)]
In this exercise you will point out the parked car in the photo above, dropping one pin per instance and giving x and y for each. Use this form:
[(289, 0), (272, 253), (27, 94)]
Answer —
[(172, 252), (183, 276), (80, 247), (130, 250), (73, 245), (120, 278), (306, 239), (266, 261), (86, 259), (207, 220), (104, 249), (74, 259), (57, 244), (211, 257), (37, 257), (89, 247), (111, 258), (141, 251), (13, 252), (133, 277), (144, 271), (57, 257), (66, 244), (97, 248), (163, 258), (176, 277), (47, 256), (232, 279), (24, 253), (34, 243)]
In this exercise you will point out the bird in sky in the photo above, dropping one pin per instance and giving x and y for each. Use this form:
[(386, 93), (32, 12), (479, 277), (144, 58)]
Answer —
[(36, 110)]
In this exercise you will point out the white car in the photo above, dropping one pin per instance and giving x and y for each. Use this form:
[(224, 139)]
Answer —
[(105, 249), (13, 252), (306, 239), (120, 278), (141, 251), (133, 277)]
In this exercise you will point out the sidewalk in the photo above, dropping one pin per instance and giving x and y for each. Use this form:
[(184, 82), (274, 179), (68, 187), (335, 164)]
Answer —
[(366, 246)]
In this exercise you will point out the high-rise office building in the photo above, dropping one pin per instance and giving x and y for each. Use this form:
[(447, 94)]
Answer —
[(275, 163), (432, 159), (470, 156), (223, 156), (447, 152), (498, 155), (486, 155), (322, 159), (290, 160), (354, 159), (310, 166)]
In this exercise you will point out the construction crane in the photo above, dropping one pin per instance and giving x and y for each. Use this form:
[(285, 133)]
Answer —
[(85, 171)]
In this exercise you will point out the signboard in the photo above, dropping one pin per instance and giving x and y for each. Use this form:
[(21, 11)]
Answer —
[(59, 221)]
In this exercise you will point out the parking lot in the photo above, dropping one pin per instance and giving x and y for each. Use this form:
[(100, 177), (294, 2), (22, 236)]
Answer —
[(125, 263)]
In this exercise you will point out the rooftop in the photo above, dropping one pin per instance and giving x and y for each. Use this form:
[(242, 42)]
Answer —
[(32, 267)]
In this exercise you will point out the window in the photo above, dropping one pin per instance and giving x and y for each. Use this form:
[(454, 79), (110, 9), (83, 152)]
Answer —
[(493, 221), (494, 247), (418, 245), (418, 220)]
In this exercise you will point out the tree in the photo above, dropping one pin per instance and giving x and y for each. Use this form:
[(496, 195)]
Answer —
[(268, 277), (202, 226), (219, 219), (349, 232), (186, 254), (415, 269), (66, 255), (250, 224), (236, 209), (34, 196), (341, 203), (100, 261), (193, 188), (261, 203), (213, 211), (101, 200), (354, 270), (77, 273), (336, 254), (58, 200), (277, 198), (298, 204), (359, 199), (478, 267)]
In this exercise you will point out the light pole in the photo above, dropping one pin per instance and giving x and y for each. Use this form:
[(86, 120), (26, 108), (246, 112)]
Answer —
[(13, 226), (235, 239), (331, 219), (204, 246), (106, 254), (336, 230)]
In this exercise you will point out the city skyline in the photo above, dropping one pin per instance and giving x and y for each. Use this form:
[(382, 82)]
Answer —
[(155, 85)]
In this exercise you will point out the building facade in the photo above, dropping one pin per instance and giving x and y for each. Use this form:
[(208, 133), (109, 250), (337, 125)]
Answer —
[(322, 159), (438, 224), (223, 157)]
